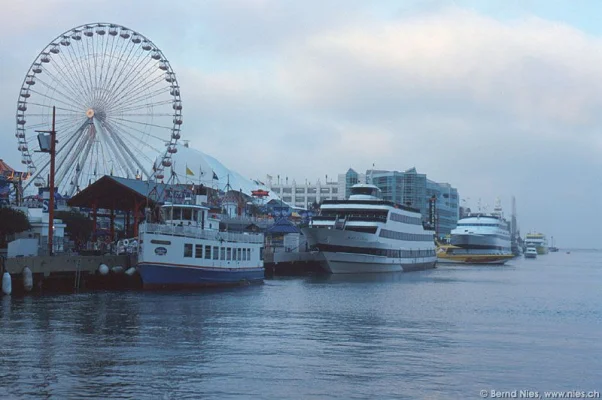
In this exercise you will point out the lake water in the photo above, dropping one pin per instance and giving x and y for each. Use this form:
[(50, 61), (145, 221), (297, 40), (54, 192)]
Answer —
[(446, 333)]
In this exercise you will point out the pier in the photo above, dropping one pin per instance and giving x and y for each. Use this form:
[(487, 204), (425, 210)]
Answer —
[(282, 263), (70, 273)]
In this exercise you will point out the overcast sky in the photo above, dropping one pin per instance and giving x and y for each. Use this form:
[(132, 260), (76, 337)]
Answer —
[(498, 98)]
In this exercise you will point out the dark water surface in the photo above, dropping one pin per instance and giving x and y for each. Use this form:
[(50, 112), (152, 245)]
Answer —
[(441, 334)]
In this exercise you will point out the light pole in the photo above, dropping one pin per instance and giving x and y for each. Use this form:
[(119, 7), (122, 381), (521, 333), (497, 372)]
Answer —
[(48, 145)]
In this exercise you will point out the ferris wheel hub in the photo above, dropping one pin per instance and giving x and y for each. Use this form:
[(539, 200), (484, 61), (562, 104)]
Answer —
[(90, 113)]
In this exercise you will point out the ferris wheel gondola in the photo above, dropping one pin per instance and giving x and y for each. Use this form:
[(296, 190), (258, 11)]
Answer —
[(117, 102)]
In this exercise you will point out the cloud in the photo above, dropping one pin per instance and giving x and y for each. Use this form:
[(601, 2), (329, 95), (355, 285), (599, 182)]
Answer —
[(307, 89), (528, 69)]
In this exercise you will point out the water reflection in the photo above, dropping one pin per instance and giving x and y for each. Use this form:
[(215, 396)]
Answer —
[(443, 333), (385, 277)]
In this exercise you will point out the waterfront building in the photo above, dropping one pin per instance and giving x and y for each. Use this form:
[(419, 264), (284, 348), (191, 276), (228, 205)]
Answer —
[(303, 195), (413, 189), (347, 180)]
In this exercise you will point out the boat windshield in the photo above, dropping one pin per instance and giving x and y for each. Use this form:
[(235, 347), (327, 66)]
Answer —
[(368, 191), (179, 213)]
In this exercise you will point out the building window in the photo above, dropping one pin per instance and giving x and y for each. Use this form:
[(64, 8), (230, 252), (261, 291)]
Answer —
[(335, 190), (299, 190), (299, 199), (222, 253), (287, 199), (229, 254), (188, 250), (198, 251), (287, 190), (208, 252), (215, 253)]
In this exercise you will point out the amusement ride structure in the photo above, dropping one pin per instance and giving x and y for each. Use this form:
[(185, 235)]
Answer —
[(118, 108)]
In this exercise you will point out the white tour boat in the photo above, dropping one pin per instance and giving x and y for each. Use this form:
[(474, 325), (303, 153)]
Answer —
[(367, 234)]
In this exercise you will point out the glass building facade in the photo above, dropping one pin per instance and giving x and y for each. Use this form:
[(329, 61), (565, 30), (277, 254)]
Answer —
[(414, 189)]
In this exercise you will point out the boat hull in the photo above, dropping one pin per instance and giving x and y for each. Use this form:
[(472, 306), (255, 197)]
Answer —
[(350, 263), (475, 259), (169, 276)]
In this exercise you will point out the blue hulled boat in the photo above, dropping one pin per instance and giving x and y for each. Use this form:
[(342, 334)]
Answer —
[(186, 249)]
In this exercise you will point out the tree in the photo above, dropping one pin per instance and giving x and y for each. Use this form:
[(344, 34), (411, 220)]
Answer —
[(11, 221), (77, 225)]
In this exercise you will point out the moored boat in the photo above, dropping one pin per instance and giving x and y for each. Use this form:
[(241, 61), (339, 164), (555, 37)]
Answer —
[(478, 239), (186, 249), (531, 252), (537, 240), (367, 234)]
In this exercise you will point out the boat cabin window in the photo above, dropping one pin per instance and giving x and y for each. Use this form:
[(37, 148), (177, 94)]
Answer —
[(188, 250)]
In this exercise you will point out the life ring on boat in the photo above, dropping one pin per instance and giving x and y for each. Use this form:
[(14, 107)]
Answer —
[(126, 242)]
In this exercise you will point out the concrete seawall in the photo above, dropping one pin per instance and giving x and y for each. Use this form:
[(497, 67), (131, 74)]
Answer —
[(72, 273)]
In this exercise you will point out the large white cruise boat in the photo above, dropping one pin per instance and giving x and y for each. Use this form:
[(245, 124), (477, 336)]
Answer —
[(367, 234), (479, 239)]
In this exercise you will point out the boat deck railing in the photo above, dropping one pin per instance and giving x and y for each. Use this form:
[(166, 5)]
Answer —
[(195, 232)]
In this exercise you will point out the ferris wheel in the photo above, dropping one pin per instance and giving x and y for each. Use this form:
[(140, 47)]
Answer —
[(118, 108)]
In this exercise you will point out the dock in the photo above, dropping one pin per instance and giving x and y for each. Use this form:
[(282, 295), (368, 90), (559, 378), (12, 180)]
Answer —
[(71, 273), (282, 263)]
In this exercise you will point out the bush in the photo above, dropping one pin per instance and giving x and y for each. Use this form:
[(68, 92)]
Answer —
[(11, 221)]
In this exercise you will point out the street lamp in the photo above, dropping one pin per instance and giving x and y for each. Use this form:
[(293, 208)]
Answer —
[(47, 141)]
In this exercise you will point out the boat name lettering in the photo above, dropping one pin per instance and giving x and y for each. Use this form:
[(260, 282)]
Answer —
[(154, 241), (160, 251)]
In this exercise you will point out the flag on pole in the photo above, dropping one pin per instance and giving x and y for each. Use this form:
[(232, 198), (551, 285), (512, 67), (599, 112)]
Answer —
[(188, 171)]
